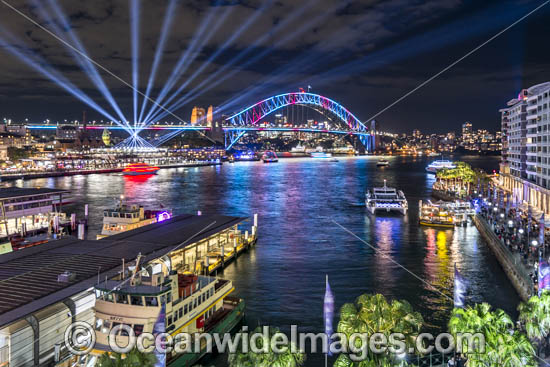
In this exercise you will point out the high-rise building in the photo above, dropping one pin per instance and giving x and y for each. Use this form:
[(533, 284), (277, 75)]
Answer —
[(525, 166), (197, 115), (467, 128)]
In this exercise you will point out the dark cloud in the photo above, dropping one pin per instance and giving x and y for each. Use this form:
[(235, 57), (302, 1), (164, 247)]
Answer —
[(328, 43)]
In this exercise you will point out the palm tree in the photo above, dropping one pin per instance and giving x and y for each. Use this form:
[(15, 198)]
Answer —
[(534, 316), (288, 358), (374, 314), (134, 358), (504, 346)]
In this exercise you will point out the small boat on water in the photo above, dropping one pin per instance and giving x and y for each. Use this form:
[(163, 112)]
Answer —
[(137, 169), (270, 157), (382, 163), (386, 199), (439, 165)]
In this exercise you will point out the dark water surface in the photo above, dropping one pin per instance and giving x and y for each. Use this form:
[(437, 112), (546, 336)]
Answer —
[(283, 278)]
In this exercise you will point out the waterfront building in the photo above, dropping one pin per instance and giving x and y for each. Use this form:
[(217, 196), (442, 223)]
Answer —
[(29, 209), (525, 165)]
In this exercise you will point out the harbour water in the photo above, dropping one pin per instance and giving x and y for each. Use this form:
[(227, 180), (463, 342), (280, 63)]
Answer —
[(299, 202)]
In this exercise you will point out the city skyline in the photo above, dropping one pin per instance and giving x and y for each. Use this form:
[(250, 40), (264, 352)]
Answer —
[(356, 53)]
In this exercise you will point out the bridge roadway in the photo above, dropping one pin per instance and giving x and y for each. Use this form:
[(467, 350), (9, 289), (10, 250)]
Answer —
[(201, 128)]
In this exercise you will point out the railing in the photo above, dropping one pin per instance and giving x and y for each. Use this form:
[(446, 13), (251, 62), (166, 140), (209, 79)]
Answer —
[(431, 360)]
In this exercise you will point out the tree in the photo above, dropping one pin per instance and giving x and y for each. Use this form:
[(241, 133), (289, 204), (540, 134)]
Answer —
[(290, 356), (534, 316), (134, 358), (504, 346), (374, 314)]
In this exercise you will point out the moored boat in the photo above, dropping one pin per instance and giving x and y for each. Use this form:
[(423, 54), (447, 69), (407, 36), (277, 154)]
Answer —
[(125, 217), (382, 163), (180, 303), (322, 155), (386, 199), (439, 165), (270, 157)]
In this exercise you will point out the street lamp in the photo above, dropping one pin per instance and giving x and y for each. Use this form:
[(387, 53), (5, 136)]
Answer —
[(534, 243), (520, 231)]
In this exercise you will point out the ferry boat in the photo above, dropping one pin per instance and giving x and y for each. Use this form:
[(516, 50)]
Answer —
[(183, 302), (320, 155), (434, 154), (127, 217), (439, 165), (270, 157), (386, 199), (136, 169), (382, 163), (435, 215)]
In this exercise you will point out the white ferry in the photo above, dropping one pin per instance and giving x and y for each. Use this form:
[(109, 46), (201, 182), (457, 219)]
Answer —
[(321, 155), (386, 199), (439, 165), (383, 163), (165, 300), (127, 217)]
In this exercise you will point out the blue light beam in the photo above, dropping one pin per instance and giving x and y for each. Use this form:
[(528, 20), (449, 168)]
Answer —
[(221, 49), (182, 62), (134, 33), (39, 65), (85, 64), (220, 75), (166, 24)]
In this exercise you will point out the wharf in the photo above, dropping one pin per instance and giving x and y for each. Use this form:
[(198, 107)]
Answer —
[(512, 264), (30, 176)]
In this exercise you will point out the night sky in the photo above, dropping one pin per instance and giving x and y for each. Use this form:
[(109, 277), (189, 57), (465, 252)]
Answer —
[(364, 54)]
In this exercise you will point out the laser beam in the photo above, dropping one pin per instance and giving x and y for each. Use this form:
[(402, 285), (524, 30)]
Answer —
[(221, 49), (83, 62), (39, 64), (219, 76), (176, 71), (134, 32), (166, 24)]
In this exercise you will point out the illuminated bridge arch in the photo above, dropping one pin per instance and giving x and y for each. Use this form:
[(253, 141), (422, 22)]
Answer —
[(252, 115)]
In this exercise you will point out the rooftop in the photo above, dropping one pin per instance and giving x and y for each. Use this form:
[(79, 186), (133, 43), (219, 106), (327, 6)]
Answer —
[(15, 192), (28, 277)]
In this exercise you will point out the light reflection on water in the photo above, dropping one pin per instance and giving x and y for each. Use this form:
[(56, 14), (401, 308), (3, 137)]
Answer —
[(282, 279)]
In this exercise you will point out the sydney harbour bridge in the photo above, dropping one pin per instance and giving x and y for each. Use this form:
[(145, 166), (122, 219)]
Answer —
[(228, 129)]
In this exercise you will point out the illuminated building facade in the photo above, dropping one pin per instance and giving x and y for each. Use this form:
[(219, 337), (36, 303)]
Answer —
[(525, 166)]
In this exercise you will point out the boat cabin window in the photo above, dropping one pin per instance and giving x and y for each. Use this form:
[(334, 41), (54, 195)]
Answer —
[(163, 299), (169, 320), (181, 312), (136, 300), (109, 297), (122, 298), (138, 329), (169, 297), (185, 310), (151, 301)]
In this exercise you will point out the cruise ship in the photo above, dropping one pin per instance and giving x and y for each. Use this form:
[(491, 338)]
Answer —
[(165, 300), (386, 199), (439, 165), (127, 217)]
